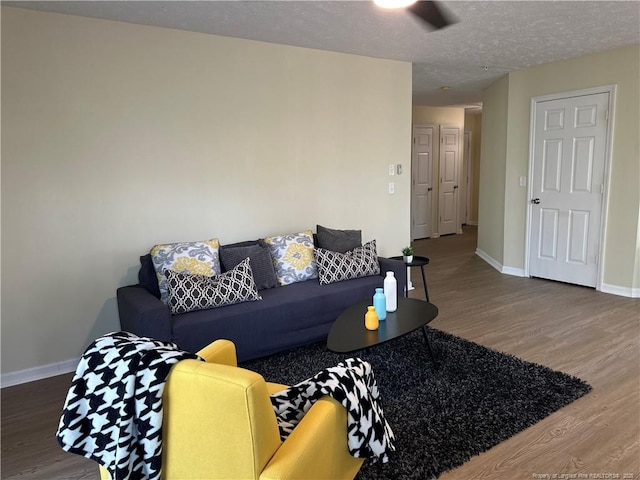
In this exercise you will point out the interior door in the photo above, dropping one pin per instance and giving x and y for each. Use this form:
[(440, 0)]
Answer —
[(421, 181), (448, 192), (569, 147)]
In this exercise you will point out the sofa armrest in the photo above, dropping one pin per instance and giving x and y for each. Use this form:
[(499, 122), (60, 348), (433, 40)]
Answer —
[(143, 314), (399, 270), (316, 448)]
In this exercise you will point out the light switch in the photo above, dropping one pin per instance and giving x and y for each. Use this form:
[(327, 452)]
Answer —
[(399, 169), (392, 188), (392, 169), (523, 181)]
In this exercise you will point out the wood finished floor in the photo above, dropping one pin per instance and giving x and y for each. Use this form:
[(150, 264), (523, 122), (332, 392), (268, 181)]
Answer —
[(577, 330)]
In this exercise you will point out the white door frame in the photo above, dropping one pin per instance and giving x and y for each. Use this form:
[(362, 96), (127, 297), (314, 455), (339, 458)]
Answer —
[(611, 89)]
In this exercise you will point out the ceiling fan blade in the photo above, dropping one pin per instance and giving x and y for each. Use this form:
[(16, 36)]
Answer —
[(431, 13)]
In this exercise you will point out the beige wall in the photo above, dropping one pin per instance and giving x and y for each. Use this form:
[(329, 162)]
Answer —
[(440, 116), (620, 67), (473, 125), (491, 205), (118, 136)]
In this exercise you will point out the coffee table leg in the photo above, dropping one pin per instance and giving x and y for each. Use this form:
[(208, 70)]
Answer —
[(426, 339)]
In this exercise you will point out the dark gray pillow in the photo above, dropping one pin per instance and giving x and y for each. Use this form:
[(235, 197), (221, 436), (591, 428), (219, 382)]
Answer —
[(261, 261), (340, 241), (147, 276)]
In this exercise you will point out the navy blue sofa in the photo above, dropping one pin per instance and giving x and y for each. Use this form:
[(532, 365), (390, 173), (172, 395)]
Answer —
[(286, 317)]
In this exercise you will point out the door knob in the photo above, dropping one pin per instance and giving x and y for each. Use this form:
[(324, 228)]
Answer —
[(455, 186), (535, 201), (429, 189)]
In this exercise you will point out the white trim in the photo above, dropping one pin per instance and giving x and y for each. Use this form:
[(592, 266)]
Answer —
[(516, 272), (519, 272), (513, 271), (489, 259), (611, 90), (608, 155), (621, 291), (38, 373)]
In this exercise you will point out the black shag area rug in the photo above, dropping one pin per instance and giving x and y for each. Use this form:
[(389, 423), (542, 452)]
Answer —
[(475, 399)]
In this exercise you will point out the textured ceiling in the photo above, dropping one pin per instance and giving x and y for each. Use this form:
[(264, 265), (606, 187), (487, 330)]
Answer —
[(490, 38)]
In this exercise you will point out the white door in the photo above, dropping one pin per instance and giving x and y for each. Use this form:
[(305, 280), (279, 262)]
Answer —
[(421, 178), (448, 195), (568, 168)]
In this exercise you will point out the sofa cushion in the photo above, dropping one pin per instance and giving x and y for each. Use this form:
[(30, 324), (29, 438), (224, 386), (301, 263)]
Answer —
[(198, 292), (196, 258), (293, 257), (336, 267), (338, 240), (286, 317), (261, 261)]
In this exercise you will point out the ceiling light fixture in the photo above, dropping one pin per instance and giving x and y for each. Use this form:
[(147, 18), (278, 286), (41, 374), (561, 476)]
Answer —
[(394, 3)]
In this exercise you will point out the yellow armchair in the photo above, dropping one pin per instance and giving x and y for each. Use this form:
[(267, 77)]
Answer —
[(218, 423)]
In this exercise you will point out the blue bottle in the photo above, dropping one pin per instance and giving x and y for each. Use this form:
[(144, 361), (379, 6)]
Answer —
[(380, 303)]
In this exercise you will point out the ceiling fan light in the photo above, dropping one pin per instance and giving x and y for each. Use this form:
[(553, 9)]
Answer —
[(394, 3)]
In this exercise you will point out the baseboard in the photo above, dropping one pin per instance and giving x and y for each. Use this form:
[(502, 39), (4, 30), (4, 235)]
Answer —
[(38, 373), (516, 272), (621, 291), (519, 272), (472, 222), (489, 259)]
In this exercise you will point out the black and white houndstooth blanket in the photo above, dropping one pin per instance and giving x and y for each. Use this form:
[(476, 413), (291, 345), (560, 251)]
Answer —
[(352, 383), (113, 410)]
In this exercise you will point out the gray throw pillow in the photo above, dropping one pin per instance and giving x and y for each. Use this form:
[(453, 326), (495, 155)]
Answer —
[(340, 241), (261, 261)]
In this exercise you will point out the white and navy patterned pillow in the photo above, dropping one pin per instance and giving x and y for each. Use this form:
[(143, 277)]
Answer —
[(336, 267), (195, 258), (199, 292), (293, 257)]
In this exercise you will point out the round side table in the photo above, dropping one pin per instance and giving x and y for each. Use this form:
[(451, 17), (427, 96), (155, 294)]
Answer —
[(417, 262)]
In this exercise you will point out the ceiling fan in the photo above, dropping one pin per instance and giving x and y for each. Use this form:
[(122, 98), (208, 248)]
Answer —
[(427, 11)]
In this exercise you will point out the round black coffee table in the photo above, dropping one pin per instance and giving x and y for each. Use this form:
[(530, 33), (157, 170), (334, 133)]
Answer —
[(349, 334)]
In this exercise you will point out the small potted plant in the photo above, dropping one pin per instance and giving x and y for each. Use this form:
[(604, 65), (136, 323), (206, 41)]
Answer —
[(407, 254)]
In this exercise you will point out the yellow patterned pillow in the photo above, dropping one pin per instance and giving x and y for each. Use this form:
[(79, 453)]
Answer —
[(293, 257), (194, 258)]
